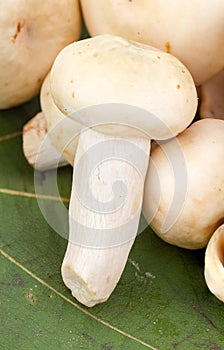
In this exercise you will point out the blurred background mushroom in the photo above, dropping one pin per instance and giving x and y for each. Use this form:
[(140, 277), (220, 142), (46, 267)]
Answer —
[(31, 36), (191, 31)]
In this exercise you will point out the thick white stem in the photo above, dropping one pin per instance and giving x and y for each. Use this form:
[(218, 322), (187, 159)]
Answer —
[(104, 212), (37, 147)]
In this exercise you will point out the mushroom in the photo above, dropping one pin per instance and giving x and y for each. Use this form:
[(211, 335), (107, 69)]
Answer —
[(184, 187), (124, 94), (212, 97), (41, 158), (49, 138), (214, 263), (31, 35), (62, 131), (193, 32)]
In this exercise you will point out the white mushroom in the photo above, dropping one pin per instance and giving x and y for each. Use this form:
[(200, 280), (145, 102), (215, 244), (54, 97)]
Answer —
[(34, 134), (129, 93), (184, 188), (191, 31), (212, 97), (31, 35), (48, 128), (62, 131), (214, 263)]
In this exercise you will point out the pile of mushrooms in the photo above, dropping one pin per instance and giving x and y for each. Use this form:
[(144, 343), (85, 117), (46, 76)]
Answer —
[(106, 72), (103, 102)]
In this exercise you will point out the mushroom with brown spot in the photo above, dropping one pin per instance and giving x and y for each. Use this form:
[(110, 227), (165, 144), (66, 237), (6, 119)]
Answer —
[(31, 35)]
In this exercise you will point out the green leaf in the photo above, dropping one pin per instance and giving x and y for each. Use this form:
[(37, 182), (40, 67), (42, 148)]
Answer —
[(39, 317), (161, 301)]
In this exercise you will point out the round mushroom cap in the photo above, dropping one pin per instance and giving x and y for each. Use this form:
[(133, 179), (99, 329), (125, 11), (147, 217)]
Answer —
[(214, 263), (191, 31), (107, 70), (184, 187), (31, 35)]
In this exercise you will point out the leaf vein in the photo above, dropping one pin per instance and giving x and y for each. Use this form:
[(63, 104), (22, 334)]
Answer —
[(10, 136), (32, 195)]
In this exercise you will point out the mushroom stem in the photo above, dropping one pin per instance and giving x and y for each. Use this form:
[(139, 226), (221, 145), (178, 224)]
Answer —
[(104, 212), (38, 150), (214, 263)]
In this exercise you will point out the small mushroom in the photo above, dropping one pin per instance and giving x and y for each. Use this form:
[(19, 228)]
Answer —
[(193, 32), (212, 97), (129, 93), (62, 131), (214, 263), (41, 158), (49, 138), (184, 187), (31, 35)]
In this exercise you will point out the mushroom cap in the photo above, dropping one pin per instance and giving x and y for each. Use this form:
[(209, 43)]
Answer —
[(107, 69), (31, 35), (184, 187), (214, 263), (193, 32)]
